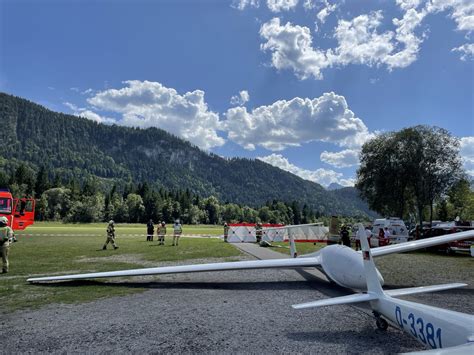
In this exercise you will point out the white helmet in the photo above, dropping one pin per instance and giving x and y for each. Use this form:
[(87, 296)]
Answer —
[(111, 221), (4, 220)]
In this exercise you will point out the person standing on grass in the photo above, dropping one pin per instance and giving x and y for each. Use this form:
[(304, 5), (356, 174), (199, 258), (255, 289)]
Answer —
[(177, 231), (150, 229), (259, 232), (345, 238), (161, 232), (110, 236), (226, 231), (6, 236)]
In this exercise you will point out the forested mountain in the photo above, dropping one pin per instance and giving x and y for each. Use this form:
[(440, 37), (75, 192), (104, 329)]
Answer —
[(74, 147), (334, 186)]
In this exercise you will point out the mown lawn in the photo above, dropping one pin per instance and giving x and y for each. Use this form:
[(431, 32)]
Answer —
[(99, 229), (53, 248)]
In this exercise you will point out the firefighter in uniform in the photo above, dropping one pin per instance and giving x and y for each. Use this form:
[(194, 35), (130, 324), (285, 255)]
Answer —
[(345, 237), (226, 231), (258, 232), (177, 231), (110, 236), (161, 232), (150, 229), (6, 236)]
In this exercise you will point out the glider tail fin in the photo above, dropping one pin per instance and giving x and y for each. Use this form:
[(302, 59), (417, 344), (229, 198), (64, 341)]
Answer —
[(374, 287), (371, 274), (372, 277)]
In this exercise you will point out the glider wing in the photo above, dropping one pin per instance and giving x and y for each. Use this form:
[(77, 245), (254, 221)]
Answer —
[(238, 265)]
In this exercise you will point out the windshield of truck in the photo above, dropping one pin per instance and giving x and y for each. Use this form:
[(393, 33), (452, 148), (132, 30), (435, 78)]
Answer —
[(5, 205)]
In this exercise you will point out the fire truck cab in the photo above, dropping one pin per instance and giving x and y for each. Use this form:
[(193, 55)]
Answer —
[(20, 212)]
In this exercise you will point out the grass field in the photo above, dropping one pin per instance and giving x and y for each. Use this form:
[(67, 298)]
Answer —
[(54, 248), (99, 229)]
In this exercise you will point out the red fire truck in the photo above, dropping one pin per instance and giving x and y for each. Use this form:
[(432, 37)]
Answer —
[(20, 212)]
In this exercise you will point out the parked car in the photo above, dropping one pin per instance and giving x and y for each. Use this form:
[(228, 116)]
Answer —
[(458, 246)]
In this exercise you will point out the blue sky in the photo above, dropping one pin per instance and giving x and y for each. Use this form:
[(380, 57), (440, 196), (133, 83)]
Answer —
[(299, 84)]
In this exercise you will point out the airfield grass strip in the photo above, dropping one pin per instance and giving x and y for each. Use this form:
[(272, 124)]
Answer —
[(66, 251)]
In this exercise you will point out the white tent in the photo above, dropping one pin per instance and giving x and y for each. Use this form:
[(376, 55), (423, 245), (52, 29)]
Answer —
[(313, 232), (274, 234), (245, 233), (242, 233)]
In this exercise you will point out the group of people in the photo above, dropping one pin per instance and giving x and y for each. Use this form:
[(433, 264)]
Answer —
[(150, 231), (161, 232), (384, 233)]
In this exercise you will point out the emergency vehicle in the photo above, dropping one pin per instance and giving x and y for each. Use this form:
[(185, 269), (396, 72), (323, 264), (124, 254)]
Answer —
[(396, 226), (20, 212)]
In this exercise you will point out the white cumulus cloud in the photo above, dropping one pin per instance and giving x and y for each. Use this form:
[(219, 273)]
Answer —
[(362, 40), (309, 4), (326, 11), (342, 159), (467, 154), (243, 4), (359, 42), (466, 50), (87, 113), (461, 11), (291, 47), (281, 5), (321, 176), (290, 123), (87, 92), (150, 104), (95, 117), (408, 4), (240, 99)]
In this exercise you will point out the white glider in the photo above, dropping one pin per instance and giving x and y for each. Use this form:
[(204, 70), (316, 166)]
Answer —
[(341, 264), (436, 328)]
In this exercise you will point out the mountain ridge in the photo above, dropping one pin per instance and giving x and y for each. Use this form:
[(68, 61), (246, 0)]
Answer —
[(76, 147)]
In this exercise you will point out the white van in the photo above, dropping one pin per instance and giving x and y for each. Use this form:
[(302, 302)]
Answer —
[(396, 227)]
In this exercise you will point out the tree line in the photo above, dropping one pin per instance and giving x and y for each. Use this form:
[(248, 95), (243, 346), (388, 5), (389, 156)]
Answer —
[(75, 202)]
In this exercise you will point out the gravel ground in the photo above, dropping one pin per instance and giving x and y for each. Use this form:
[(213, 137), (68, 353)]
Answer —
[(231, 312)]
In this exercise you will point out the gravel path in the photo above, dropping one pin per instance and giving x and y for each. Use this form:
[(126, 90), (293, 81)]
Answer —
[(222, 312)]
